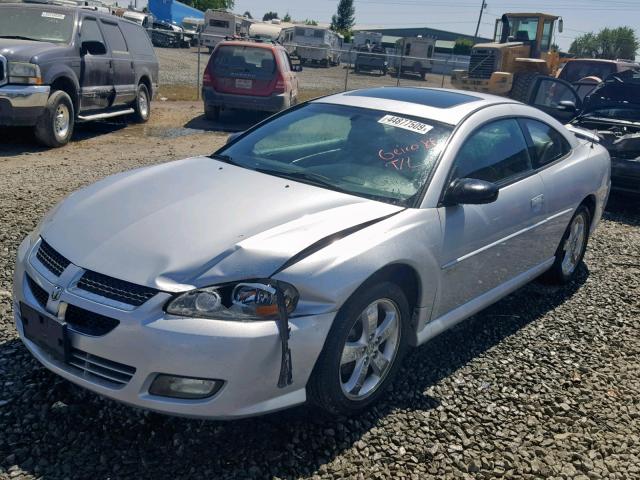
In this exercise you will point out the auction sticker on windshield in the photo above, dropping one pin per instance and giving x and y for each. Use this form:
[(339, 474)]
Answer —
[(405, 123), (57, 16)]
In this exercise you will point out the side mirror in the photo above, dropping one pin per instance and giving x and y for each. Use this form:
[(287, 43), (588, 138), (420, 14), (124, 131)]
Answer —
[(233, 136), (567, 106), (470, 191), (93, 48), (296, 68)]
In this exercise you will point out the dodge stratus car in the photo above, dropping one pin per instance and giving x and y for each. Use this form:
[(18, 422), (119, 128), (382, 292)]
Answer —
[(301, 260)]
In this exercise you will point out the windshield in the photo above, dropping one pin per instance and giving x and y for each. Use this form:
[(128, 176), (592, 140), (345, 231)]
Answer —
[(238, 59), (45, 25), (374, 154), (523, 29)]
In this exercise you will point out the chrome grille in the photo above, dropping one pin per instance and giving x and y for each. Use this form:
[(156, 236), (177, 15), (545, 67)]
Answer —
[(93, 367), (482, 63), (115, 289), (3, 70), (51, 259)]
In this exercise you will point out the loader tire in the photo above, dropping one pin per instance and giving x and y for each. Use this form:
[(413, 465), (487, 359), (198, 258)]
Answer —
[(522, 84)]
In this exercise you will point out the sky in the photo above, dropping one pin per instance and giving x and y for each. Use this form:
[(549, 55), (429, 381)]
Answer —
[(579, 16)]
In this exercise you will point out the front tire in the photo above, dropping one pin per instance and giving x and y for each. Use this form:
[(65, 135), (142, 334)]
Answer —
[(142, 105), (571, 250), (363, 350), (55, 126)]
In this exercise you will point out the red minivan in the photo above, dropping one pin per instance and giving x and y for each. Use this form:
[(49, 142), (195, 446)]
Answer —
[(249, 75)]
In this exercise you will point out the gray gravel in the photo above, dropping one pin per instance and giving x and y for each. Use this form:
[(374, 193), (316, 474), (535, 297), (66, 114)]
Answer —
[(546, 383), (179, 67)]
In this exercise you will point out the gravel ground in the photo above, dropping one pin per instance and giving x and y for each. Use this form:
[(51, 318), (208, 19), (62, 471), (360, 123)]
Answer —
[(544, 384), (179, 67)]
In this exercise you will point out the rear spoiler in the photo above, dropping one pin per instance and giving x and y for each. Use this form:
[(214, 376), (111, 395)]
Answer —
[(583, 134)]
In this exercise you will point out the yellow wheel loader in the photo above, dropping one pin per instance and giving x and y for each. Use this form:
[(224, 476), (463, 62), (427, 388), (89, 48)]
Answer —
[(520, 53)]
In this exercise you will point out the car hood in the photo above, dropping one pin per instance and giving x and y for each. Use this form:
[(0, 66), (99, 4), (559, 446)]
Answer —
[(614, 94), (198, 222), (24, 50)]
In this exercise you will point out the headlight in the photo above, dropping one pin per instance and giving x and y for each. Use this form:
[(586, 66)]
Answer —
[(242, 301), (23, 72)]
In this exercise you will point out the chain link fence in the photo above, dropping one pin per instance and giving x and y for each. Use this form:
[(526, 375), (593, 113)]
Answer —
[(326, 70)]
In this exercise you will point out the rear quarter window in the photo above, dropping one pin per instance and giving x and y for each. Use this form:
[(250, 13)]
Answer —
[(139, 43)]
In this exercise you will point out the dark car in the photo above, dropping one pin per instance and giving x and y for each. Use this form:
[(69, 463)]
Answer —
[(59, 65), (612, 110), (371, 60), (249, 75), (586, 73)]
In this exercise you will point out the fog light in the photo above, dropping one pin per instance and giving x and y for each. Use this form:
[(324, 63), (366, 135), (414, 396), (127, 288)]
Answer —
[(184, 387)]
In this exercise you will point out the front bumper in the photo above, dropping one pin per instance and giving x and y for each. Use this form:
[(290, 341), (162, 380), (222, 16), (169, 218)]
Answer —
[(272, 103), (625, 176), (500, 83), (22, 105), (245, 355)]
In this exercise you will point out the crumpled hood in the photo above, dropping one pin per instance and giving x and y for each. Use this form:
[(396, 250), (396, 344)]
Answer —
[(24, 50), (198, 222), (613, 94)]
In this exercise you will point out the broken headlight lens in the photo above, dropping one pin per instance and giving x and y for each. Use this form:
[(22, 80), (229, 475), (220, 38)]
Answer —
[(244, 301)]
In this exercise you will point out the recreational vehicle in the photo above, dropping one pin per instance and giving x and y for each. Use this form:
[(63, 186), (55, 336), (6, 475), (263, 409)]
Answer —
[(414, 55), (220, 24), (317, 45)]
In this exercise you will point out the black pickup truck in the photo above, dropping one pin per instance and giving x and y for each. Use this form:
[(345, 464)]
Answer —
[(60, 65)]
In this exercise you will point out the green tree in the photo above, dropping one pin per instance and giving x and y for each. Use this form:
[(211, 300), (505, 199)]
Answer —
[(310, 22), (247, 14), (211, 4), (462, 46), (344, 18), (286, 18), (609, 43), (269, 16)]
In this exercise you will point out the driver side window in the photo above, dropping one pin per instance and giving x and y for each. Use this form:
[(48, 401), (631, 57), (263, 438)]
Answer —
[(90, 32), (496, 152)]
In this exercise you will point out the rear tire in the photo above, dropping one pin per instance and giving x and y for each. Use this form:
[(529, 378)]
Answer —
[(362, 353), (142, 104), (55, 126), (522, 83), (571, 250), (212, 113)]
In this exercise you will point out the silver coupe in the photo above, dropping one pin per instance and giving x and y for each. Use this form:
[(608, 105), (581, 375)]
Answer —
[(302, 260)]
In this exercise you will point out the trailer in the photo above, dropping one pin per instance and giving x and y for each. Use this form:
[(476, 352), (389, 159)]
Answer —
[(220, 25), (413, 55), (318, 45)]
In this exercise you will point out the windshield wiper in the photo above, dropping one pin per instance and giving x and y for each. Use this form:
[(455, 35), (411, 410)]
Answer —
[(224, 158), (308, 177), (20, 37)]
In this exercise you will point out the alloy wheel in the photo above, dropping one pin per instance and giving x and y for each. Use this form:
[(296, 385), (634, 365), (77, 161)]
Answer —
[(574, 245), (370, 349)]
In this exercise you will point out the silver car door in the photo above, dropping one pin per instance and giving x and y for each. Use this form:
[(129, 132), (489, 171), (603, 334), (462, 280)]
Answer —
[(484, 246), (562, 173)]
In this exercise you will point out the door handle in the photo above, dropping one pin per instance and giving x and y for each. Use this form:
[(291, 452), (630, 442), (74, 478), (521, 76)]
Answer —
[(537, 203)]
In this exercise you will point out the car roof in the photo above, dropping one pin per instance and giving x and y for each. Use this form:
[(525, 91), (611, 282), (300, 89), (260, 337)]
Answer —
[(248, 43), (441, 104), (61, 8)]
